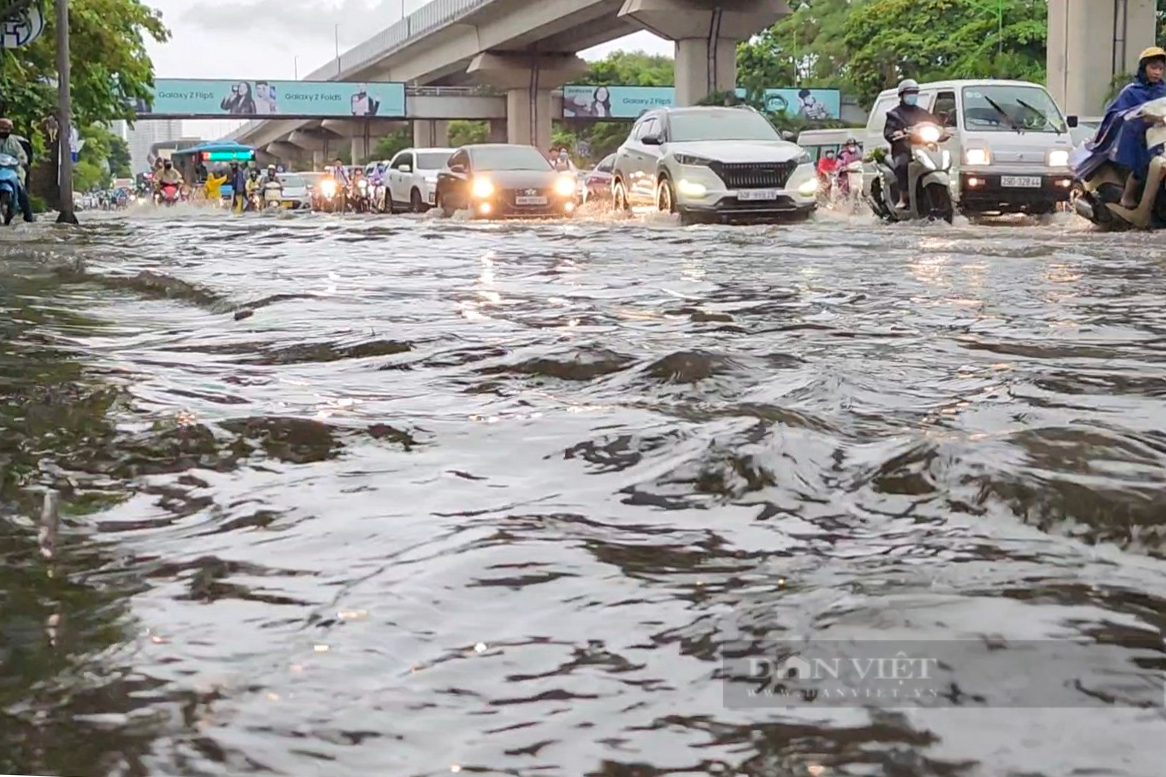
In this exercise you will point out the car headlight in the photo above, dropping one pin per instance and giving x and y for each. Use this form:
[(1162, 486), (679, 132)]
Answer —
[(1058, 158), (808, 188), (482, 187), (977, 156), (566, 186), (803, 158), (693, 161)]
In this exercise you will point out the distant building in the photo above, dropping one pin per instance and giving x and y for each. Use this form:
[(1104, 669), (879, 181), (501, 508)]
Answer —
[(145, 134)]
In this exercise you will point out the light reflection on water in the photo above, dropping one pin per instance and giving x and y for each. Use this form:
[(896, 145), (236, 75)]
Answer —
[(496, 498)]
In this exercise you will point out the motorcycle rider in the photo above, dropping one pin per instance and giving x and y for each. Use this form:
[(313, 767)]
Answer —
[(1129, 147), (338, 172), (271, 180), (900, 120), (168, 176), (254, 188), (827, 167), (850, 153), (13, 147), (376, 180)]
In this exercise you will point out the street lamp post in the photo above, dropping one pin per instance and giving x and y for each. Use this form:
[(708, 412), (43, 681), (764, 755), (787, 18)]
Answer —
[(296, 67), (337, 30), (64, 118)]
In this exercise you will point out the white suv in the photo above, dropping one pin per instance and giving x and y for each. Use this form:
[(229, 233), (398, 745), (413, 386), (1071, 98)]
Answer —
[(412, 178), (715, 163)]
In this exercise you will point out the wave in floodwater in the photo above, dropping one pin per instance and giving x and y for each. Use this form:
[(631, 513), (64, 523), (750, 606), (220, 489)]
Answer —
[(413, 496)]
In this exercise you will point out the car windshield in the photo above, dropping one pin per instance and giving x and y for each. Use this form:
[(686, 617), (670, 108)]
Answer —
[(732, 124), (1011, 108), (510, 158), (431, 161), (293, 180)]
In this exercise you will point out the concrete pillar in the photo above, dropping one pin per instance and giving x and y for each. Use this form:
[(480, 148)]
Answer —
[(285, 152), (1091, 42), (528, 80), (498, 133), (318, 160), (706, 33), (431, 133), (361, 148)]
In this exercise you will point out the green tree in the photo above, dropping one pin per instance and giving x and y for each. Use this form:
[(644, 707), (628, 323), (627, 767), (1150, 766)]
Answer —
[(110, 65), (388, 145), (462, 133)]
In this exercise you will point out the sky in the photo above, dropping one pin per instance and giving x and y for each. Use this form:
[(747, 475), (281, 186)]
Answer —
[(219, 39)]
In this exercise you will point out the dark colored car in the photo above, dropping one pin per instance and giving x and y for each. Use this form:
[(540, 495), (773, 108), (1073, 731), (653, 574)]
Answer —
[(598, 180), (494, 180)]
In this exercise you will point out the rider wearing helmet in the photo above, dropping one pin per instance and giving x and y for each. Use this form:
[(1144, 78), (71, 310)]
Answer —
[(14, 148), (1130, 149), (849, 153), (900, 120), (169, 175)]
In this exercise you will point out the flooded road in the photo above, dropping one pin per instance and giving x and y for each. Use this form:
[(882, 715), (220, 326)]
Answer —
[(419, 497)]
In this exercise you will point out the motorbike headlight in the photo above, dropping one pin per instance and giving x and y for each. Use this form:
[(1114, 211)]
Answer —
[(328, 188), (565, 187), (692, 161), (482, 187), (362, 184), (977, 156), (928, 133), (1058, 158)]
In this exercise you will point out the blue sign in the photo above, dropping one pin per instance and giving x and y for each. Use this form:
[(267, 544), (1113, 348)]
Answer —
[(630, 102), (196, 98)]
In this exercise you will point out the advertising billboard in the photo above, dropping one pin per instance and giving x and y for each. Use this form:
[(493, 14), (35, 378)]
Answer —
[(629, 102), (217, 99)]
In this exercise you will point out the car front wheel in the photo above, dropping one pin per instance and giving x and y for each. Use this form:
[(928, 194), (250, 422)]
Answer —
[(619, 196), (665, 197)]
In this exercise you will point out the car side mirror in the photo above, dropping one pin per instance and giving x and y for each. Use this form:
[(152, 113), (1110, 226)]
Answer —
[(651, 140), (405, 169), (1072, 121), (459, 169)]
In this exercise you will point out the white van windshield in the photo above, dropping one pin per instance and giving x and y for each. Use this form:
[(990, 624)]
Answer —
[(1011, 108)]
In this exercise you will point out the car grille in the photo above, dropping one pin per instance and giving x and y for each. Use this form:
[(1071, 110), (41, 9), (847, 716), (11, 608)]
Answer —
[(750, 175)]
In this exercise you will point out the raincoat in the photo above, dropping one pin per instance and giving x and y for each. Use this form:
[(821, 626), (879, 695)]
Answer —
[(1118, 141)]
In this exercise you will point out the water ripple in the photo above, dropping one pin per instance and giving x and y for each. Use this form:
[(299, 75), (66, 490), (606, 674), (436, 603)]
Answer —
[(416, 496)]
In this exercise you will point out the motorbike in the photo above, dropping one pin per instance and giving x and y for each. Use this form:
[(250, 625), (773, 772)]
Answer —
[(167, 194), (1100, 182), (850, 182), (331, 197), (9, 186), (272, 194), (380, 197), (359, 196), (928, 179)]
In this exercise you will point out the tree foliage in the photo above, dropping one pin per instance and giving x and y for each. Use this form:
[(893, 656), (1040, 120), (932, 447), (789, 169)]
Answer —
[(110, 65)]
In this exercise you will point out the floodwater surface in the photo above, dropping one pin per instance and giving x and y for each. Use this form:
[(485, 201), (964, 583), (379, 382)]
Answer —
[(397, 496)]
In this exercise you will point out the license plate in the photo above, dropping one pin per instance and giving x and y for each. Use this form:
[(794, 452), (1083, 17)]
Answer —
[(530, 200), (288, 204), (1020, 181), (757, 194)]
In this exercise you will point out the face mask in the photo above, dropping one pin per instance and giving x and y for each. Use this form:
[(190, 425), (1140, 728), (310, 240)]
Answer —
[(4, 134), (911, 99)]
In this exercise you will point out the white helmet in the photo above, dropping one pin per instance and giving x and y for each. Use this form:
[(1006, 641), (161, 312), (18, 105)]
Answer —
[(908, 85)]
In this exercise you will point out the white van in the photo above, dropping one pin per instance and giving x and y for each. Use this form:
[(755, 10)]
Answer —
[(1010, 143), (818, 142)]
